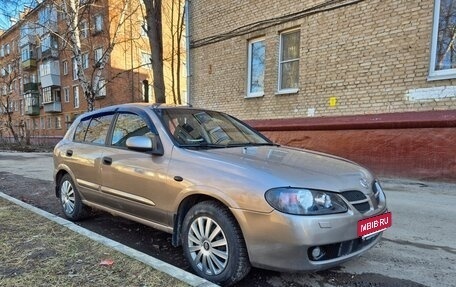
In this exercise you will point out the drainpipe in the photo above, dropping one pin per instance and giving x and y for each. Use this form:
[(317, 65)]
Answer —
[(187, 47)]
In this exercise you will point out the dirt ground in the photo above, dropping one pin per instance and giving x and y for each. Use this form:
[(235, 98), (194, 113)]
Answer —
[(40, 193), (37, 252)]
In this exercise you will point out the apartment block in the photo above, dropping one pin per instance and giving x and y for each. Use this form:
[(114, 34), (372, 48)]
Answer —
[(40, 91), (372, 81)]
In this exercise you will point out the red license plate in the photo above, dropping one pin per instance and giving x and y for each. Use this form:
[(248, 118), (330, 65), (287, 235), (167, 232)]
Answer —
[(376, 224)]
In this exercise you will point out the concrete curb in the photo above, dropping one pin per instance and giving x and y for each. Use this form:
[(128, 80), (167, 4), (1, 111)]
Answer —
[(155, 263)]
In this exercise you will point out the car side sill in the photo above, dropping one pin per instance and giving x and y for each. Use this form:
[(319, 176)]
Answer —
[(114, 212)]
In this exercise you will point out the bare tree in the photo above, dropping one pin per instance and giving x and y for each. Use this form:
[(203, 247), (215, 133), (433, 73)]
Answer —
[(77, 12), (154, 32), (174, 25), (9, 85)]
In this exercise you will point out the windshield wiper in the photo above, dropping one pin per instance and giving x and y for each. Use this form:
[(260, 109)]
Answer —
[(203, 146), (251, 144)]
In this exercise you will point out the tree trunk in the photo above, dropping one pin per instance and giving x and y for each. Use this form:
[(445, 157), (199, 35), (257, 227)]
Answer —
[(154, 23)]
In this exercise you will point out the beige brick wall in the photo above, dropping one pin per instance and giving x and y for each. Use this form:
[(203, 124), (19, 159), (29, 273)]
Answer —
[(370, 56)]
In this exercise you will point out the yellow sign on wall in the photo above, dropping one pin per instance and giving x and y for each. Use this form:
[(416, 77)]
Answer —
[(332, 101)]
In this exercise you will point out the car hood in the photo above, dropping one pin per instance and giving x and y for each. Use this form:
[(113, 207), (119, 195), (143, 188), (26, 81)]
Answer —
[(275, 166)]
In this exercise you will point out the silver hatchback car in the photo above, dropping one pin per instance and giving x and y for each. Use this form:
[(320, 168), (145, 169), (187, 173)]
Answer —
[(227, 194)]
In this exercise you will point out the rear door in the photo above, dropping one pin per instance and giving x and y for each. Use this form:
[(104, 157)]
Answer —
[(136, 180), (84, 155)]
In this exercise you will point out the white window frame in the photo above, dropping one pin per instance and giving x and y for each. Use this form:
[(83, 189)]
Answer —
[(433, 73), (98, 54), (98, 23), (101, 88), (75, 69), (84, 28), (85, 61), (65, 67), (76, 102), (279, 79), (146, 60), (249, 69), (66, 94)]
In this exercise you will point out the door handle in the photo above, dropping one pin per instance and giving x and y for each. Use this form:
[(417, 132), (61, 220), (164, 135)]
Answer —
[(69, 153), (107, 160)]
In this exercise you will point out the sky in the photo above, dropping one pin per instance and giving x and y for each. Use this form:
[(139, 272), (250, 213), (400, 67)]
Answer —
[(10, 9)]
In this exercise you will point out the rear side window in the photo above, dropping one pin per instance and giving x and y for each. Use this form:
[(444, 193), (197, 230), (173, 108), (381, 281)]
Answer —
[(81, 130), (93, 130), (129, 125), (98, 129)]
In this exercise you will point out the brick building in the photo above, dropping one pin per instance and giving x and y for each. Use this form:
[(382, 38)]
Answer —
[(372, 81), (38, 74)]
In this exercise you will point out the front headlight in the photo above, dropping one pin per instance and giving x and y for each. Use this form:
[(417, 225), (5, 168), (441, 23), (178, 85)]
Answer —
[(301, 201)]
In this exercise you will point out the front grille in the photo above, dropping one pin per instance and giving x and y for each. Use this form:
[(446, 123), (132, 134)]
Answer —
[(336, 250), (358, 199), (353, 195)]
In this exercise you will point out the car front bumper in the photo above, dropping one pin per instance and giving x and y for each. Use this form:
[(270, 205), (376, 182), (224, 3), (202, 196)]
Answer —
[(284, 242)]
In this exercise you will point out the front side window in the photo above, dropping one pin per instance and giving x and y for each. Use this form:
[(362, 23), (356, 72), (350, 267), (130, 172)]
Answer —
[(443, 49), (289, 61), (129, 125), (256, 67)]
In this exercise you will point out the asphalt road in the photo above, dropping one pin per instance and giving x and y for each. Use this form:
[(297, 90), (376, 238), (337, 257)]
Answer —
[(419, 250)]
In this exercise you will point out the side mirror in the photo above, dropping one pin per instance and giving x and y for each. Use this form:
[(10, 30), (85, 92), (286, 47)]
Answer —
[(144, 144)]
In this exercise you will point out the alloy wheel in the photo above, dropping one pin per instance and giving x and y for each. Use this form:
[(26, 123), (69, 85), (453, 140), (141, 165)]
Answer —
[(208, 246)]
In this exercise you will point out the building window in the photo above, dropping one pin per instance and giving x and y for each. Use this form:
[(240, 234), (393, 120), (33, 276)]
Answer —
[(76, 97), (58, 122), (101, 87), (84, 28), (98, 23), (256, 65), (65, 67), (443, 49), (85, 61), (75, 69), (42, 126), (66, 94), (98, 54), (289, 62), (49, 122), (7, 49), (146, 60)]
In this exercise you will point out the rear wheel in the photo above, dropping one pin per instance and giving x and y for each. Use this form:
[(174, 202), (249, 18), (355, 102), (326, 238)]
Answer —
[(213, 243), (72, 206)]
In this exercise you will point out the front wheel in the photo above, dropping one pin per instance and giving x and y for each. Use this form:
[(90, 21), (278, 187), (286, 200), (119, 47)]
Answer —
[(72, 206), (213, 243)]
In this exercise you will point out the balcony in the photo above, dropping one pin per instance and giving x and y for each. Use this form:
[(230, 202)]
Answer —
[(27, 39), (30, 87), (50, 74), (49, 53), (32, 104), (50, 80), (29, 64), (52, 107)]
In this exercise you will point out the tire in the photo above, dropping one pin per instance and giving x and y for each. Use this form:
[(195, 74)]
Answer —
[(72, 206), (213, 244)]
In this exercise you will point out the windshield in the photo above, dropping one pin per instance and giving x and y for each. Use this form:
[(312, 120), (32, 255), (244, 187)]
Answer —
[(199, 128)]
